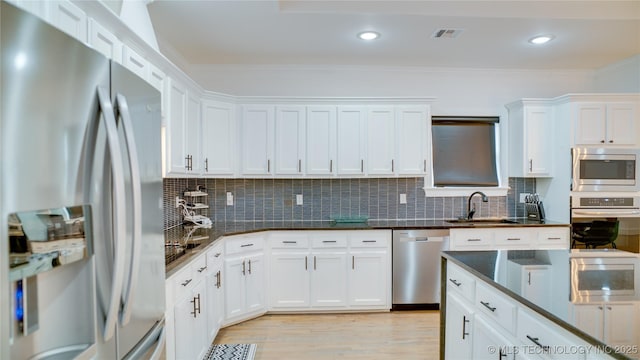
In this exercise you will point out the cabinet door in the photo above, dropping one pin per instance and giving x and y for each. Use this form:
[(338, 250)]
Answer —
[(135, 62), (536, 284), (69, 18), (234, 290), (590, 319), (368, 278), (214, 302), (320, 140), (289, 279), (621, 126), (255, 284), (351, 140), (218, 138), (289, 143), (413, 140), (185, 328), (381, 141), (192, 134), (177, 156), (486, 338), (538, 136), (590, 123), (620, 324), (458, 334), (257, 140), (329, 280), (200, 333)]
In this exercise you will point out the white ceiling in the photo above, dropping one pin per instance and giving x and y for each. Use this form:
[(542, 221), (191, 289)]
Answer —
[(588, 34)]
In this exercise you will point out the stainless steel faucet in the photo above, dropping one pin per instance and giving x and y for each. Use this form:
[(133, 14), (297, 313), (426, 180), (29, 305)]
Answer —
[(471, 212)]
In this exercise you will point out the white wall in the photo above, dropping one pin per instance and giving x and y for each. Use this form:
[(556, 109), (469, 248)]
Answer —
[(458, 91), (619, 77)]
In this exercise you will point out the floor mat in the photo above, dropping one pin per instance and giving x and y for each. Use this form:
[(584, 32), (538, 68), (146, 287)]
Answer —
[(231, 352)]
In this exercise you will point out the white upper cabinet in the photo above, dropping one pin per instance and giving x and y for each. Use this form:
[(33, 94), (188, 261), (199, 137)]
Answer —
[(69, 18), (289, 141), (135, 62), (104, 41), (413, 138), (192, 134), (531, 139), (320, 140), (257, 139), (351, 140), (381, 140), (605, 123), (218, 138), (177, 159)]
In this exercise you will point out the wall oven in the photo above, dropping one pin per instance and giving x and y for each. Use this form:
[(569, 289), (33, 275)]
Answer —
[(600, 169)]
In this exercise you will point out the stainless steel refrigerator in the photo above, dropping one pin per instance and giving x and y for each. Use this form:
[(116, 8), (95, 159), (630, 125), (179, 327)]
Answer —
[(81, 242)]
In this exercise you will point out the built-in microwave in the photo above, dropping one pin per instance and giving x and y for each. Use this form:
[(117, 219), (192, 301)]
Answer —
[(603, 276), (601, 169)]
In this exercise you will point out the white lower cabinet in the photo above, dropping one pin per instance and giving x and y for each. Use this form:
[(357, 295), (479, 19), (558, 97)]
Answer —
[(191, 324), (244, 274), (489, 342), (612, 323), (215, 290), (330, 270), (459, 325), (504, 238)]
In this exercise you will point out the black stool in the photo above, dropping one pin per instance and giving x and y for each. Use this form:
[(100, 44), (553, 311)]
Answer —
[(596, 233)]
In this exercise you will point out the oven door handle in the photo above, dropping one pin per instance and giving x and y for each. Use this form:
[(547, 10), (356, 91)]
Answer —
[(610, 213)]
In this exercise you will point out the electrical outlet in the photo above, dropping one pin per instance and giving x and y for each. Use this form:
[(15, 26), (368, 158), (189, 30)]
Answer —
[(403, 198), (229, 199), (522, 197), (299, 199)]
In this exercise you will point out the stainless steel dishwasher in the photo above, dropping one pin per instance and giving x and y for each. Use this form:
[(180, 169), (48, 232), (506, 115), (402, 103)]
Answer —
[(416, 268)]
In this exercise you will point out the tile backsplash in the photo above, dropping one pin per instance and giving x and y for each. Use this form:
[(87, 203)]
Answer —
[(323, 199)]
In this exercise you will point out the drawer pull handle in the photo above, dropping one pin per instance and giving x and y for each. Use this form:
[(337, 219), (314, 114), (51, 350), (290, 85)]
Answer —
[(246, 245), (369, 241), (513, 239), (217, 254), (202, 269), (488, 306), (249, 267), (289, 242), (186, 282), (536, 341), (328, 241), (474, 239), (553, 238), (455, 282)]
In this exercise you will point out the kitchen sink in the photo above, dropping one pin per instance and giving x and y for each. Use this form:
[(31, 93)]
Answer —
[(482, 221)]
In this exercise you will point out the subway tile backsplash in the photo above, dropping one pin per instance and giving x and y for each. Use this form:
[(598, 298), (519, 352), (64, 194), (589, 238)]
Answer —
[(323, 199)]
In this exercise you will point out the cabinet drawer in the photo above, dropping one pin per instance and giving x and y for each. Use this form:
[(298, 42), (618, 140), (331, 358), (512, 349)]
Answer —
[(328, 239), (214, 256), (368, 239), (541, 333), (292, 240), (235, 245), (459, 280), (553, 238), (199, 267), (513, 238), (183, 281), (496, 306), (471, 239)]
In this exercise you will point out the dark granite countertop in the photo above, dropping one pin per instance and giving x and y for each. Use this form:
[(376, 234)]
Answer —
[(492, 267), (177, 255)]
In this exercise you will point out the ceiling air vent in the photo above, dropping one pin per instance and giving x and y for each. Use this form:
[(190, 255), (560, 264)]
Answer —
[(446, 33)]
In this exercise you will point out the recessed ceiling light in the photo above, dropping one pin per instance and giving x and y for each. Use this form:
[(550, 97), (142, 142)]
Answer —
[(368, 35), (541, 39)]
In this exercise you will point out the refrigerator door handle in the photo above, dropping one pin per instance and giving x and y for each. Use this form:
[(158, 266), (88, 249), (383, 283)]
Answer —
[(119, 215), (136, 191)]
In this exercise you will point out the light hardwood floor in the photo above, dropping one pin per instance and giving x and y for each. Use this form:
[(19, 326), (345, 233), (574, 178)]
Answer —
[(394, 335)]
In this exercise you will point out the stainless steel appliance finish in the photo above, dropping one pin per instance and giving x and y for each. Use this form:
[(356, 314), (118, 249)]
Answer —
[(603, 169), (604, 205), (604, 275), (79, 130), (416, 266)]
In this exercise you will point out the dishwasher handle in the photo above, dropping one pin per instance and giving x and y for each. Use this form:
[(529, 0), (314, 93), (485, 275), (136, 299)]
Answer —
[(423, 239)]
